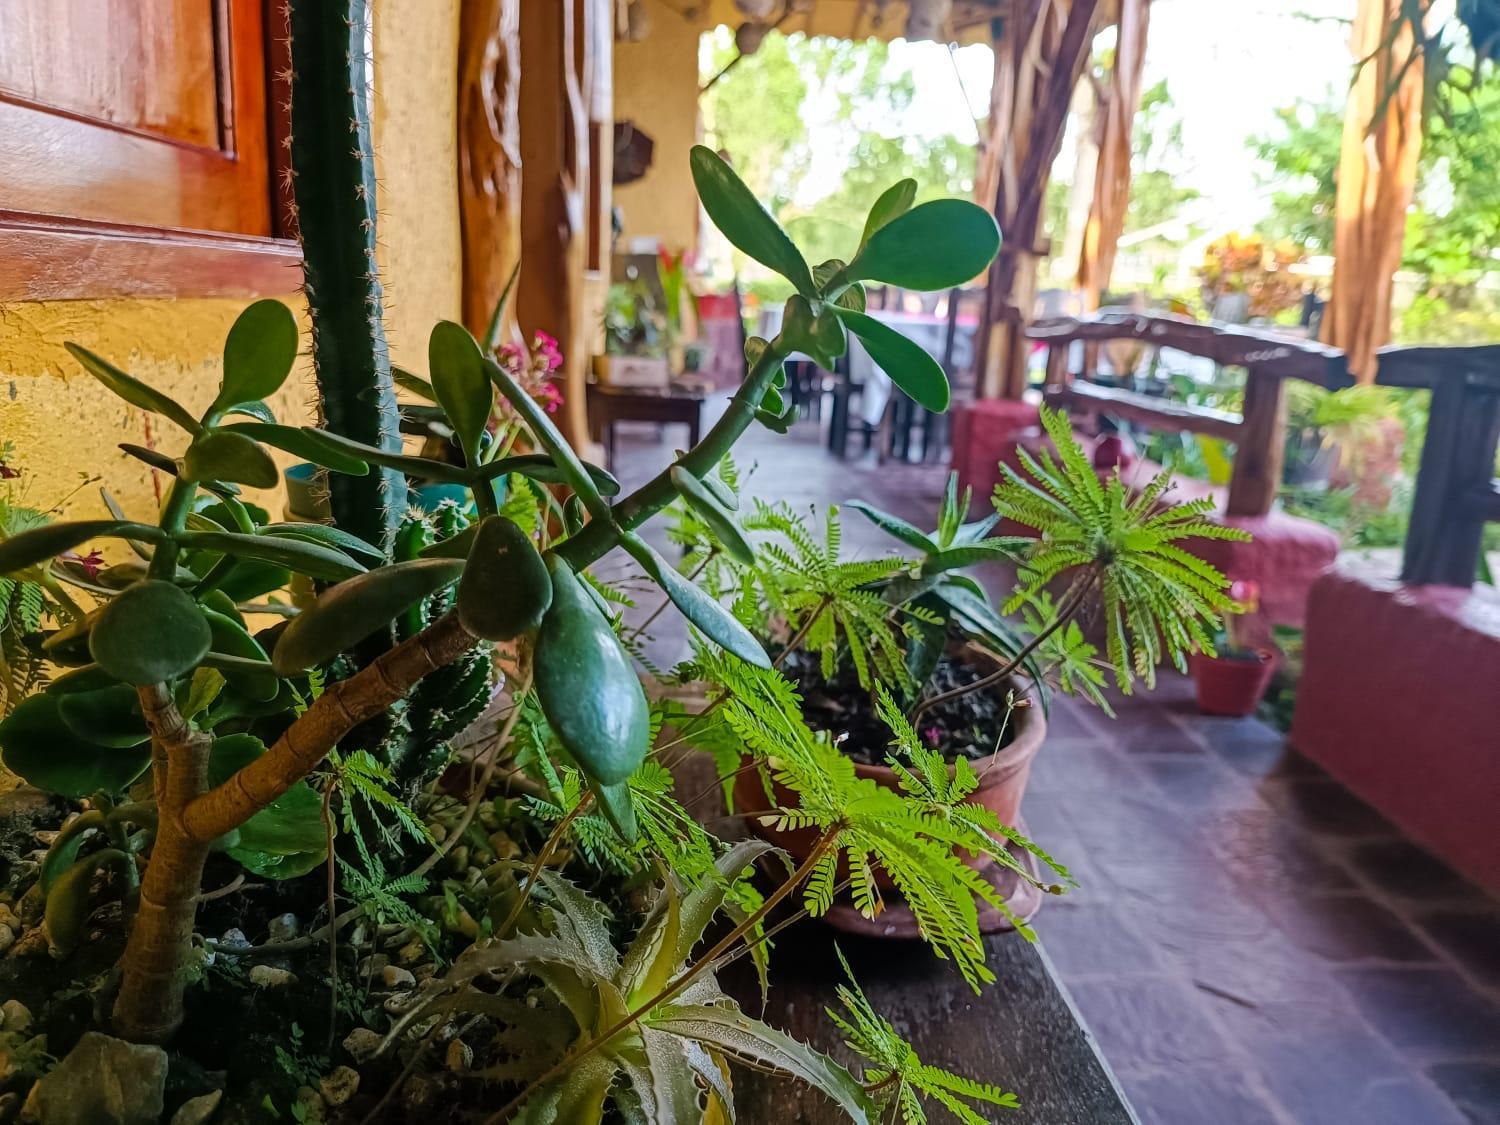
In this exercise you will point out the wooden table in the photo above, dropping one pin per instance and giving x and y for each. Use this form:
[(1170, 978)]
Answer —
[(1021, 1033), (680, 403)]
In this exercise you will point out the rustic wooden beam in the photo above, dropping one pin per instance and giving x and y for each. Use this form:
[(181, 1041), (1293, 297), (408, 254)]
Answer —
[(554, 189), (1149, 410), (1227, 345), (489, 153)]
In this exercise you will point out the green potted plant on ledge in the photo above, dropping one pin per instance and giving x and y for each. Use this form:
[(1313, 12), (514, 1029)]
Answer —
[(904, 658), (202, 747)]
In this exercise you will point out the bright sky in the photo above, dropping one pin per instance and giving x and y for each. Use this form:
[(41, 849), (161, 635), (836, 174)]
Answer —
[(1229, 64)]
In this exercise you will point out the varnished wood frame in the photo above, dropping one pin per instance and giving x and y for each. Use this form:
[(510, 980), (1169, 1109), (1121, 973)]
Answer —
[(47, 256)]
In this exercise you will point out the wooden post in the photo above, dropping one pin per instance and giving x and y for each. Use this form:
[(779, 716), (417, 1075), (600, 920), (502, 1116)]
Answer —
[(1039, 56), (489, 153), (1377, 176), (1257, 460), (554, 191), (1444, 535)]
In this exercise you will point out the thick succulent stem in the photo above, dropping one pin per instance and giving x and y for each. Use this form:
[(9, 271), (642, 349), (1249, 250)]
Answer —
[(149, 1006), (315, 732), (333, 166)]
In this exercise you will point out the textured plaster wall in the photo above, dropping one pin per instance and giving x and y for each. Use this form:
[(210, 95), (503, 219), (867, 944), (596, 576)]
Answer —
[(61, 423), (656, 86)]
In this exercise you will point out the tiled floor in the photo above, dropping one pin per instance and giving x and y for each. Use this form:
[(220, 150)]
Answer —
[(1251, 944)]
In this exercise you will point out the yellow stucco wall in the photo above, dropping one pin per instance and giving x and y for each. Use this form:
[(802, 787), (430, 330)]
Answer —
[(61, 423), (656, 86)]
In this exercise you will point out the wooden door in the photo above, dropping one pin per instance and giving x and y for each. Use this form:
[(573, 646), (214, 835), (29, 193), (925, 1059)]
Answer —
[(148, 112)]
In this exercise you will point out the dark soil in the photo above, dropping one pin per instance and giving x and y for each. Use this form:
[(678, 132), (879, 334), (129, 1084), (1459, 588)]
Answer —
[(972, 726)]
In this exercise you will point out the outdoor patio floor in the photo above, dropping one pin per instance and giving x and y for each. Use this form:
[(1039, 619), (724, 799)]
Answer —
[(1251, 944)]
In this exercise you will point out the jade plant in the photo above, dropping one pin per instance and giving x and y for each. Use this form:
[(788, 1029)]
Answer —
[(156, 635)]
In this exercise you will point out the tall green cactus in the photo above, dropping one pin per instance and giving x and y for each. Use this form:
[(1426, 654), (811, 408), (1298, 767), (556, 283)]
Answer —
[(445, 702), (333, 164)]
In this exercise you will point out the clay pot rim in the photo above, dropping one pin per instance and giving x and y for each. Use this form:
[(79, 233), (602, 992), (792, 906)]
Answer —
[(1029, 724)]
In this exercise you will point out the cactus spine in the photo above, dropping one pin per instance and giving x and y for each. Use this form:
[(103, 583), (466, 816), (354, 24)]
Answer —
[(333, 165)]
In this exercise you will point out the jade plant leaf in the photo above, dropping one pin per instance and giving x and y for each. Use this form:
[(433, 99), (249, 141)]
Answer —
[(711, 618), (132, 390), (540, 467), (550, 439), (505, 590), (347, 613), (462, 388), (38, 746), (253, 409), (586, 684), (423, 468), (110, 716), (64, 850), (258, 353), (935, 245), (411, 381), (296, 441), (223, 455), (815, 331), (618, 807), (312, 559), (719, 520), (52, 539), (745, 222), (328, 536), (151, 632), (232, 640), (894, 202), (287, 838), (907, 363)]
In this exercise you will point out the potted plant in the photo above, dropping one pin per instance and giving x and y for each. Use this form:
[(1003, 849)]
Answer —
[(637, 335), (1243, 277), (1231, 679), (908, 652), (1325, 427), (204, 758)]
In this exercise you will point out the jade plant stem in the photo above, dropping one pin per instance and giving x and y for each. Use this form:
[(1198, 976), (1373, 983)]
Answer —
[(149, 1005), (600, 536), (825, 842)]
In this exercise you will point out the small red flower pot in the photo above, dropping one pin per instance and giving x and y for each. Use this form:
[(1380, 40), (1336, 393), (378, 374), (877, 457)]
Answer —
[(1232, 684)]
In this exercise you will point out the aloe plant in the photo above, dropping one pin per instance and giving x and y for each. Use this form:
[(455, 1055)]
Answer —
[(155, 632)]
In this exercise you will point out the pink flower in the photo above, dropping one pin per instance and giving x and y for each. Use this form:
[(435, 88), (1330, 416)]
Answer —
[(1245, 593), (90, 563)]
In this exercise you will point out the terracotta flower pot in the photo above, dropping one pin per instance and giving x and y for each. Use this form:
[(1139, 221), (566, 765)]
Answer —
[(1002, 784), (1232, 685)]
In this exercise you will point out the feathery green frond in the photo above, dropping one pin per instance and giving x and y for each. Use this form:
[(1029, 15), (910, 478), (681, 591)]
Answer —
[(1157, 600)]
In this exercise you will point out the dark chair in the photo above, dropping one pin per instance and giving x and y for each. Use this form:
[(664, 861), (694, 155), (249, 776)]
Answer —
[(937, 429), (845, 390)]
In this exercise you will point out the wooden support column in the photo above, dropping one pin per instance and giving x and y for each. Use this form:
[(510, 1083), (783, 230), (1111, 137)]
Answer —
[(1040, 52), (554, 192), (489, 153), (1260, 447)]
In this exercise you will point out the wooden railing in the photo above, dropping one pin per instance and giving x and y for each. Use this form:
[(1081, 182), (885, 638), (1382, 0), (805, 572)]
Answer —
[(1257, 433), (1456, 492)]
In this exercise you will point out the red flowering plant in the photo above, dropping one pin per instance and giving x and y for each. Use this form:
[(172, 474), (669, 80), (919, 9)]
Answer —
[(1241, 625)]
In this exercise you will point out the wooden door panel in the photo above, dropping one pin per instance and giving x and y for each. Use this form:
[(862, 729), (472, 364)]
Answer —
[(140, 112), (151, 66)]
